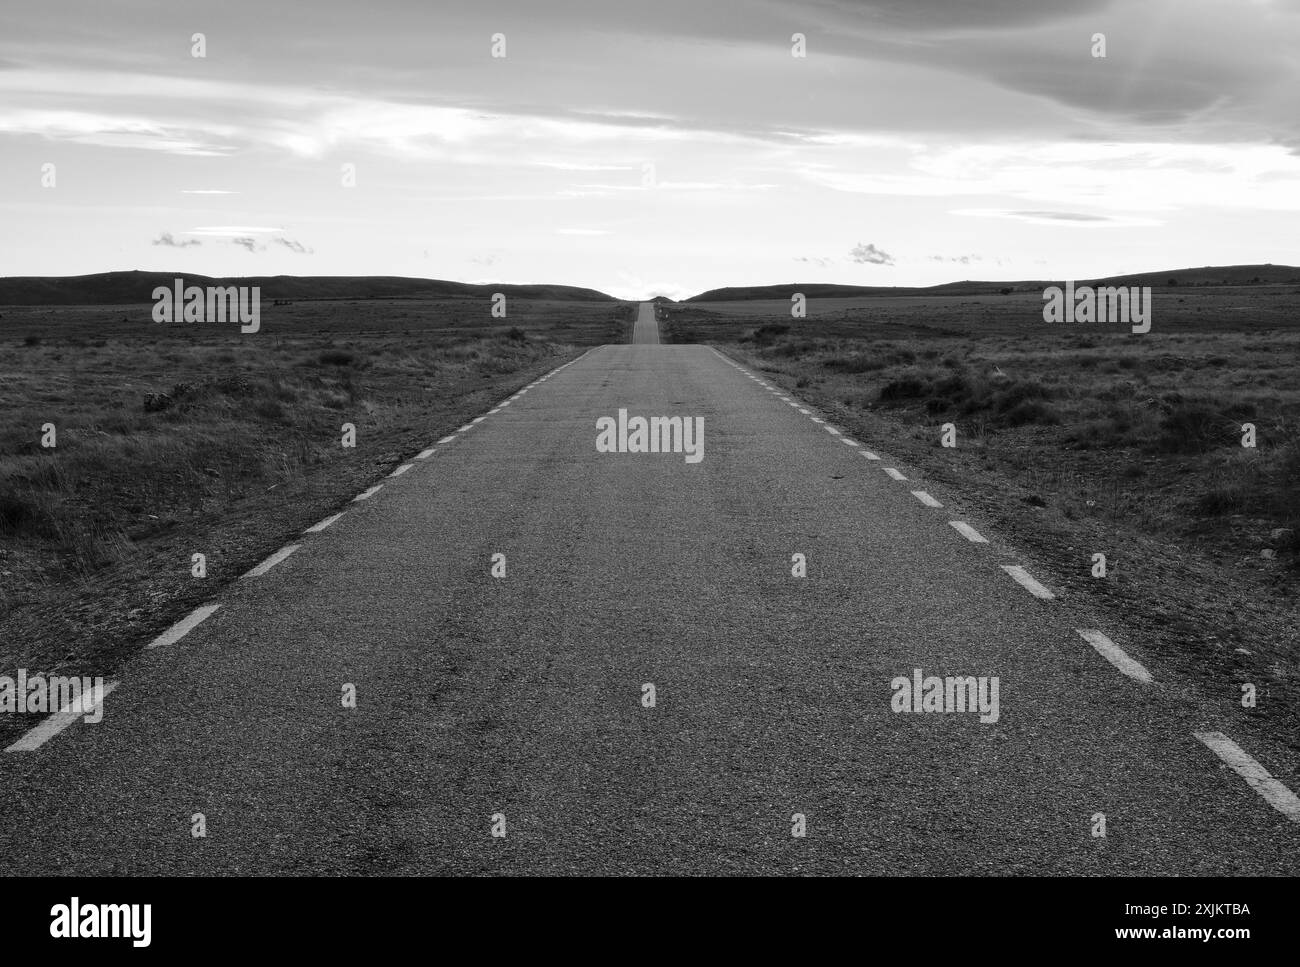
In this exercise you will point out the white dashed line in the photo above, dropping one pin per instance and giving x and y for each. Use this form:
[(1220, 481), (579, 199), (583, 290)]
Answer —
[(426, 454), (1022, 578), (831, 430), (850, 443), (816, 420), (869, 455), (894, 473), (968, 532), (1114, 654), (466, 428), (1239, 761), (272, 561), (477, 419), (367, 494), (83, 704), (448, 438), (183, 627), (803, 411), (925, 498), (317, 528), (401, 470)]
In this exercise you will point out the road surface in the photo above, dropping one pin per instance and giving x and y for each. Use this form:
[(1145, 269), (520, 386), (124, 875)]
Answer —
[(520, 702)]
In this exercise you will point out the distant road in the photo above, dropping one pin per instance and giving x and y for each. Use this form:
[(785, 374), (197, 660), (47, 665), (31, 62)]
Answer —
[(522, 701), (646, 330)]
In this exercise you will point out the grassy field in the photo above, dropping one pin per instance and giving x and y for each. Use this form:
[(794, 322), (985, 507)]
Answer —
[(177, 439), (1075, 439)]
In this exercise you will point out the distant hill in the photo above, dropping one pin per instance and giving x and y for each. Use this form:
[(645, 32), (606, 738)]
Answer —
[(1210, 275), (119, 288)]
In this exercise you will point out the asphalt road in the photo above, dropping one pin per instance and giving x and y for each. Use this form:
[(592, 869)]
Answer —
[(646, 330), (523, 696)]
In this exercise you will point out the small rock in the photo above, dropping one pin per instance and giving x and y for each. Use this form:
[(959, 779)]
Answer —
[(1268, 553), (1280, 533)]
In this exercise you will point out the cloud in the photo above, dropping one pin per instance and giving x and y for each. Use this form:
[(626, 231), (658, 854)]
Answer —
[(166, 238), (293, 245), (819, 261), (247, 242), (962, 259), (1061, 218), (870, 255)]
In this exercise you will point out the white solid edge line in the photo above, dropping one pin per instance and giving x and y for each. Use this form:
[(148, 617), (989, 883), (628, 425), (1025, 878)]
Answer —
[(466, 428), (1257, 777), (1114, 654), (317, 528), (183, 627), (367, 494), (968, 532), (925, 498), (1021, 577), (60, 720), (401, 470), (426, 454), (869, 455), (894, 473), (272, 561), (478, 419)]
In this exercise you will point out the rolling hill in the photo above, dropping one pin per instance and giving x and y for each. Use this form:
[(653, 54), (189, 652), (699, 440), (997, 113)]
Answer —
[(121, 288), (1207, 276)]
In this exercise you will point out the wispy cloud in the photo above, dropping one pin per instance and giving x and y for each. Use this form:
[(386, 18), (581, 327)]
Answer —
[(169, 240), (293, 245), (870, 255)]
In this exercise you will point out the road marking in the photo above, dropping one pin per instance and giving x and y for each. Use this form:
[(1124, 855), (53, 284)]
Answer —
[(1022, 578), (1257, 777), (850, 443), (831, 430), (1114, 654), (448, 438), (803, 411), (477, 419), (367, 494), (426, 454), (894, 473), (968, 532), (816, 420), (272, 561), (317, 528), (497, 410), (183, 627), (84, 704), (925, 498), (401, 470), (869, 455), (466, 428)]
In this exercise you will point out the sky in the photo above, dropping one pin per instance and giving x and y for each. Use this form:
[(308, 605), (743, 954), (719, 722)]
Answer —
[(648, 149)]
